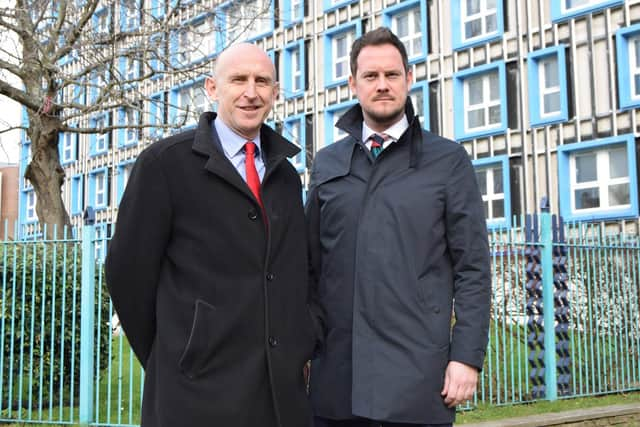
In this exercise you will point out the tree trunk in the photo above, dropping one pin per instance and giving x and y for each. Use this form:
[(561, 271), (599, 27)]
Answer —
[(45, 173)]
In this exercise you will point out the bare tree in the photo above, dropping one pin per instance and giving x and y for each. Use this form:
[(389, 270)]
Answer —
[(80, 59)]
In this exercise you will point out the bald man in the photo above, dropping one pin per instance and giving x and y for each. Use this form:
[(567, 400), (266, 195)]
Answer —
[(207, 267)]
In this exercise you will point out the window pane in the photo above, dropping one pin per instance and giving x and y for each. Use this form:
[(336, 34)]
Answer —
[(417, 101), (497, 181), (619, 195), (498, 208), (551, 72), (476, 118), (473, 7), (494, 115), (341, 69), (587, 198), (481, 176), (618, 163), (636, 47), (473, 28), (492, 23), (586, 168), (552, 102), (491, 4), (486, 209), (474, 85), (576, 3), (402, 25), (341, 46), (417, 21), (494, 86), (636, 78)]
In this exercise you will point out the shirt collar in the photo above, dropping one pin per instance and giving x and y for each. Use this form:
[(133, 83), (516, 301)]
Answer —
[(395, 131), (231, 142)]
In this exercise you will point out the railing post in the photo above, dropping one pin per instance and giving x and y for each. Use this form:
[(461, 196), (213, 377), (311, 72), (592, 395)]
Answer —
[(546, 240), (87, 318)]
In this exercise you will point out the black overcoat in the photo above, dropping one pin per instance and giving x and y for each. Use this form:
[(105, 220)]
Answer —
[(214, 302), (392, 243)]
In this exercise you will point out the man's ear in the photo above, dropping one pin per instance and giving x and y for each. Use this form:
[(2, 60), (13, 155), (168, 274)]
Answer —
[(210, 87), (352, 84)]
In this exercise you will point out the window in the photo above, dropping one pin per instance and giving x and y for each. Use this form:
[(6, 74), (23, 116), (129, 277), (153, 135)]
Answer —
[(294, 129), (68, 147), (189, 102), (335, 4), (337, 45), (628, 55), (492, 175), (131, 68), (598, 179), (129, 15), (566, 9), (408, 21), (420, 100), (247, 19), (157, 50), (124, 171), (100, 243), (196, 41), (26, 159), (30, 214), (157, 111), (476, 21), (332, 115), (547, 86), (157, 8), (292, 12), (129, 117), (101, 21), (99, 188), (480, 101), (294, 70), (77, 195), (99, 143)]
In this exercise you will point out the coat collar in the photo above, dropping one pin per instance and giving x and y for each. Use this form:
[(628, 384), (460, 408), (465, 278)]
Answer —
[(351, 122), (207, 143)]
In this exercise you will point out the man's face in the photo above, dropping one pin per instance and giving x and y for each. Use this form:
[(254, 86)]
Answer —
[(381, 85), (245, 89)]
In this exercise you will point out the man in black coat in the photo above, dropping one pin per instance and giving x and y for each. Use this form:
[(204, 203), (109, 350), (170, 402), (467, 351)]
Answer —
[(398, 241), (207, 268)]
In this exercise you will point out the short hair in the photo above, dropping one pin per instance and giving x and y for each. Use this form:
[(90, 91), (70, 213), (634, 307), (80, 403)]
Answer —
[(377, 37)]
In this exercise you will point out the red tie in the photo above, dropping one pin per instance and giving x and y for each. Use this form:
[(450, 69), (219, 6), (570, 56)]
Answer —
[(253, 180)]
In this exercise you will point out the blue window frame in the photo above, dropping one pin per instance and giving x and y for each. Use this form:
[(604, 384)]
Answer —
[(25, 159), (99, 142), (99, 188), (123, 172), (100, 242), (244, 20), (157, 8), (129, 67), (77, 194), (28, 207), (628, 53), (548, 86), (128, 137), (158, 50), (157, 108), (566, 9), (598, 179), (492, 174), (337, 46), (476, 21), (68, 147), (130, 15), (331, 115), (294, 70), (330, 5), (292, 12), (101, 20), (419, 94), (195, 42), (99, 80), (294, 129), (187, 102), (480, 101), (408, 21)]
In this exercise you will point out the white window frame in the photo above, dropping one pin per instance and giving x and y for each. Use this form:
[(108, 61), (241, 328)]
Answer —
[(247, 17), (296, 70), (100, 189), (130, 14), (482, 15), (548, 90), (338, 133), (102, 22), (634, 70), (130, 119), (126, 174), (30, 206), (202, 40), (186, 98), (77, 202), (413, 36), (67, 147), (102, 138), (295, 8), (335, 60), (488, 194), (130, 71), (485, 105), (588, 3), (602, 182)]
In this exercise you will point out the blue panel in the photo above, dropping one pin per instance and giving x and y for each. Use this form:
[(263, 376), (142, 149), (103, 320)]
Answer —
[(356, 27), (424, 88), (457, 28), (624, 66), (564, 178), (503, 161), (458, 100), (299, 161), (558, 13), (389, 13), (533, 61), (329, 5), (157, 8), (77, 194), (287, 84), (288, 18)]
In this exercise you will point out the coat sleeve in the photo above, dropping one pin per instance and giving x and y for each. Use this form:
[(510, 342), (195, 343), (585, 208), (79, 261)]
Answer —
[(136, 252), (466, 235), (312, 213)]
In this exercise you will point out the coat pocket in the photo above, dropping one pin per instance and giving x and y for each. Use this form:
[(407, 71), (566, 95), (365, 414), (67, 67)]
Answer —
[(199, 348)]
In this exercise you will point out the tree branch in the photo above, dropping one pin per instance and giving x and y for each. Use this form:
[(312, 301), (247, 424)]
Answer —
[(18, 95)]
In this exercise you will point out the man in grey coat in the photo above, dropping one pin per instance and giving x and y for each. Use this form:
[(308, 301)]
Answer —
[(398, 244)]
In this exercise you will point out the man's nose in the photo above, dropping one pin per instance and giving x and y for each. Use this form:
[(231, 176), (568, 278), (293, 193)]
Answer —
[(250, 89), (382, 84)]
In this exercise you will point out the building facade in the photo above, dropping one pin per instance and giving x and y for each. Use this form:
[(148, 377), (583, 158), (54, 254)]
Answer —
[(543, 94)]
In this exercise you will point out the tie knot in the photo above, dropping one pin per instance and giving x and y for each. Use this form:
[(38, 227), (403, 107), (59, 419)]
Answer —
[(250, 148), (378, 140)]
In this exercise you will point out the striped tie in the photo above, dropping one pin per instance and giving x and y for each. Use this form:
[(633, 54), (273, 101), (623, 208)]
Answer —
[(377, 143)]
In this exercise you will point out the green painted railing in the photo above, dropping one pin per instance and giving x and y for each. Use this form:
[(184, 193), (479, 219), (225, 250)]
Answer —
[(64, 360)]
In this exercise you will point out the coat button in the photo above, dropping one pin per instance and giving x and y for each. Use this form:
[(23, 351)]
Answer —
[(436, 310), (253, 215), (273, 341), (271, 276)]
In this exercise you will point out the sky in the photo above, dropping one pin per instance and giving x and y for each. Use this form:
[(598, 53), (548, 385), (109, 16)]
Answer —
[(10, 112)]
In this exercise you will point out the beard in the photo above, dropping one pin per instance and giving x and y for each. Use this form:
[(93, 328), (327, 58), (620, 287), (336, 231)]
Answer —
[(386, 116)]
